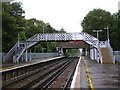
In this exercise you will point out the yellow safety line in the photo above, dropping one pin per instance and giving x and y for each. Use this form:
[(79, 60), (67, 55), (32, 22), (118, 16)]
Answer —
[(88, 76)]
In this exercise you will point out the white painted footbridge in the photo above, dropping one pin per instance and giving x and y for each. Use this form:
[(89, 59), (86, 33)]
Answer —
[(96, 47)]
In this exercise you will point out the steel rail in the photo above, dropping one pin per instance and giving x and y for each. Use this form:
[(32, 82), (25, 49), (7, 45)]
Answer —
[(31, 73), (68, 82), (40, 81)]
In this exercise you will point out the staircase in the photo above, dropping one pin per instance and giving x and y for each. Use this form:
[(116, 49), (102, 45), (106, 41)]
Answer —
[(19, 51), (106, 56)]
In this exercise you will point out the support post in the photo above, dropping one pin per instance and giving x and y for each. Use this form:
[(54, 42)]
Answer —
[(94, 54), (26, 58), (22, 57), (30, 55), (86, 52), (96, 57)]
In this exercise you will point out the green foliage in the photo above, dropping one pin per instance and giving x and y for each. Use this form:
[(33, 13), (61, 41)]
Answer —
[(99, 19), (14, 23), (96, 19), (33, 26), (115, 32), (72, 52), (62, 30)]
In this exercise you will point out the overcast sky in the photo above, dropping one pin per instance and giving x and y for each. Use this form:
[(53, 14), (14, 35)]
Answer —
[(65, 13)]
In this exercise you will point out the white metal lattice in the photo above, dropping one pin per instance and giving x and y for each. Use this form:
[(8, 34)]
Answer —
[(54, 37)]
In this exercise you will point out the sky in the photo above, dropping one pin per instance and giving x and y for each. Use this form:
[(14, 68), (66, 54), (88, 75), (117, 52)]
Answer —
[(66, 14)]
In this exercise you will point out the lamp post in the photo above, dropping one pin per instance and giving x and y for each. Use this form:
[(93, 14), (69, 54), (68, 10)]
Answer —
[(97, 32), (97, 36), (97, 39)]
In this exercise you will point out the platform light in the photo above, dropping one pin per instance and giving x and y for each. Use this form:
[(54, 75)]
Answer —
[(97, 32)]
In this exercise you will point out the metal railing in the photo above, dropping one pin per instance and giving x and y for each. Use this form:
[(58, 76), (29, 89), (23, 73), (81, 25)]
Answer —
[(12, 50), (52, 37), (61, 36), (111, 51), (100, 54), (104, 44)]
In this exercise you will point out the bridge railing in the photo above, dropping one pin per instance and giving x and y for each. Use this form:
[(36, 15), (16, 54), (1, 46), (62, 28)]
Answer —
[(56, 37), (103, 44), (88, 36), (61, 36), (90, 39)]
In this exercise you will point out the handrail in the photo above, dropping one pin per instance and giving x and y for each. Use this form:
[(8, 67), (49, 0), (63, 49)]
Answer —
[(100, 54), (103, 44), (111, 51), (107, 44), (20, 54), (90, 36), (10, 52)]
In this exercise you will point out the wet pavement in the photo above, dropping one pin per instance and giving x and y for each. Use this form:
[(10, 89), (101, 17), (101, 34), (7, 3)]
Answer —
[(83, 76), (3, 65), (103, 75)]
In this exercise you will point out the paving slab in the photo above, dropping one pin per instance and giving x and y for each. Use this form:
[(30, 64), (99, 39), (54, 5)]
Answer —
[(83, 76), (103, 75)]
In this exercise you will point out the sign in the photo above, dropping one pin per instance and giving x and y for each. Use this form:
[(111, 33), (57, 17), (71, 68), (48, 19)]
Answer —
[(76, 42)]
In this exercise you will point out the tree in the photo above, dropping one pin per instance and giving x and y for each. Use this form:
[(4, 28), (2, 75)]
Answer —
[(62, 30), (96, 20), (99, 19), (115, 32), (33, 26), (12, 23)]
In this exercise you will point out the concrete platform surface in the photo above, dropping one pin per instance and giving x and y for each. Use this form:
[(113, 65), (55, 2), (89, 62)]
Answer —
[(7, 66), (103, 75)]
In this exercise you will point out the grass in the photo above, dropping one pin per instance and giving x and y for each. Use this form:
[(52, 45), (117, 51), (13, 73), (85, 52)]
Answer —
[(117, 62)]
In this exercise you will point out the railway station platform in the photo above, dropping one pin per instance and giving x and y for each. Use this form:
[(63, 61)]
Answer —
[(90, 74), (8, 66)]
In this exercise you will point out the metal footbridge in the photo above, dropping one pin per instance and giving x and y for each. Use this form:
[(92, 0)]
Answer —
[(19, 48)]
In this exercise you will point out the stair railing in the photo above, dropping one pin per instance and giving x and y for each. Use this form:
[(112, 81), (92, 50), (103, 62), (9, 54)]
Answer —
[(10, 52), (99, 50), (111, 50), (103, 44)]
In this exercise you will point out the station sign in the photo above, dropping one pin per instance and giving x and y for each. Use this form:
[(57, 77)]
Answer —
[(76, 42)]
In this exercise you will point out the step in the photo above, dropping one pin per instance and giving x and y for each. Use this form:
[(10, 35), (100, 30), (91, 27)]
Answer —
[(106, 56)]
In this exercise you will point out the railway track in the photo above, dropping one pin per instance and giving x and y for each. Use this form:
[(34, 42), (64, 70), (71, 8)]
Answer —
[(56, 74), (64, 78)]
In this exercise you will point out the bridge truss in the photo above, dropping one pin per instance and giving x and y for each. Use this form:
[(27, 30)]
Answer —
[(19, 48)]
